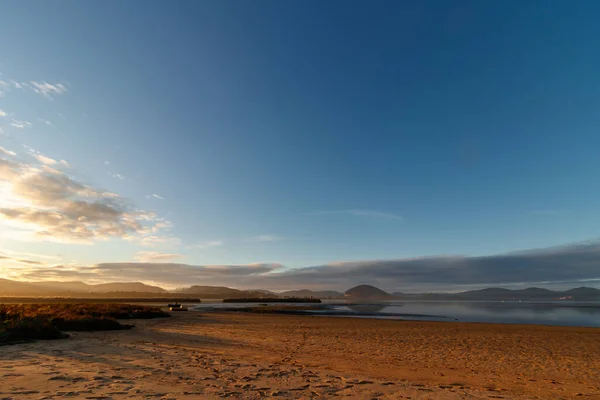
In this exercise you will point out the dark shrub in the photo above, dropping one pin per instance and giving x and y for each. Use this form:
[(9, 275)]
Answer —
[(22, 322), (28, 329), (89, 324)]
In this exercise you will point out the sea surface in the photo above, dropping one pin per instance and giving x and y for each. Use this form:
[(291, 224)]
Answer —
[(565, 313)]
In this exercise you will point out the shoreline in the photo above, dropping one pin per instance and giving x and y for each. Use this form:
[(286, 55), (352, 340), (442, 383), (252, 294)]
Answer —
[(252, 356)]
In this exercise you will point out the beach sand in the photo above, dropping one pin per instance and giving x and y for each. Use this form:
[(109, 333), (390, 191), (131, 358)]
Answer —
[(251, 356)]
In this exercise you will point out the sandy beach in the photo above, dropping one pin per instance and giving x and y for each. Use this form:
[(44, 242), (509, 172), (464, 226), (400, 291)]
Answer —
[(249, 356)]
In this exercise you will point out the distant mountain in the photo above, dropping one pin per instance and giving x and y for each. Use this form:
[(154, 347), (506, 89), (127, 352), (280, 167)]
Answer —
[(77, 287), (80, 287), (508, 294), (367, 292), (221, 292), (126, 287), (582, 293), (15, 288), (426, 296), (361, 292), (208, 291), (264, 291), (324, 294), (533, 293)]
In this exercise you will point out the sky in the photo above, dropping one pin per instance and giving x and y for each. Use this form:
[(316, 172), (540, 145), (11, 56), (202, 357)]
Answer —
[(261, 143)]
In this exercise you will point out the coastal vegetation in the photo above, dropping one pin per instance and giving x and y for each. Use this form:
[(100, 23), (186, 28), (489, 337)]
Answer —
[(25, 322), (98, 300)]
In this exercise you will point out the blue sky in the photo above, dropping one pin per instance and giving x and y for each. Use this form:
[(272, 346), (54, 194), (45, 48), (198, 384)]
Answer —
[(299, 134)]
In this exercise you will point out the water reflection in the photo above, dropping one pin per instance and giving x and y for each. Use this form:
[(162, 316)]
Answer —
[(573, 314), (368, 308)]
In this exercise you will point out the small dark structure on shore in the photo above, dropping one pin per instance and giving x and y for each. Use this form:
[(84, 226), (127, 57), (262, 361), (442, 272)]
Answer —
[(177, 307), (272, 300)]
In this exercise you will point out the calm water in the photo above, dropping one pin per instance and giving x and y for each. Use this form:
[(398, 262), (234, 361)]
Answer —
[(547, 313), (573, 314)]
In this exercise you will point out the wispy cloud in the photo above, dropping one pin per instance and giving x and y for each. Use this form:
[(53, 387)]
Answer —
[(359, 213), (4, 87), (7, 152), (46, 89), (207, 245), (7, 259), (2, 113), (167, 241), (45, 159), (14, 254), (42, 88), (266, 238), (118, 176), (45, 121), (153, 256), (43, 203), (157, 196), (20, 124)]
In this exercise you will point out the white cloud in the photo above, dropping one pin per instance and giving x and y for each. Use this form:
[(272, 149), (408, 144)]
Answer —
[(13, 254), (359, 213), (7, 152), (118, 176), (45, 121), (161, 224), (155, 240), (4, 86), (153, 256), (157, 196), (20, 124), (266, 238), (207, 245), (8, 170), (2, 113), (45, 159), (46, 89), (46, 204), (42, 88)]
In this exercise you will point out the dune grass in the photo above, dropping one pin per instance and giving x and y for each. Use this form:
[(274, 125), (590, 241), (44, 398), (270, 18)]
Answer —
[(25, 322)]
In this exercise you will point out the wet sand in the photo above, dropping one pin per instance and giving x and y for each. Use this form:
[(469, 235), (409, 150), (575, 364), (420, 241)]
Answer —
[(252, 356)]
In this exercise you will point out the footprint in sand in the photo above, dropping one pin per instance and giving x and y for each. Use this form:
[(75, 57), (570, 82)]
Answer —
[(67, 378), (304, 387), (25, 392)]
